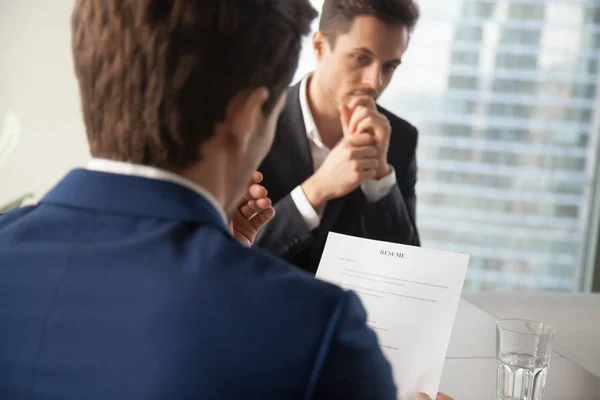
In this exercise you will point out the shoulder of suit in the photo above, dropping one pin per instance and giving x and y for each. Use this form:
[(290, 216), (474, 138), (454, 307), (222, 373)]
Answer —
[(398, 123), (12, 216), (281, 269), (269, 270)]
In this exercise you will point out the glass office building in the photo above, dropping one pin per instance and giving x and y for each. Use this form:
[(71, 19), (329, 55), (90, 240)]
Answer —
[(504, 93)]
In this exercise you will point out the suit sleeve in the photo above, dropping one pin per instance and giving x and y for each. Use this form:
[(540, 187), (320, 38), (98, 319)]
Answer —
[(393, 217), (287, 233), (351, 364)]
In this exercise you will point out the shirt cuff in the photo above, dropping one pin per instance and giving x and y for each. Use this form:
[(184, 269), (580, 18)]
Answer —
[(375, 190), (309, 215)]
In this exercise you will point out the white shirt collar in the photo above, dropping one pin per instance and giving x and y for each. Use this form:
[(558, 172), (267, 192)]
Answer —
[(144, 171), (309, 121)]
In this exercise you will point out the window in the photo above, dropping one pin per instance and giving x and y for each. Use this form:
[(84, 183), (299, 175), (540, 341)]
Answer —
[(592, 16), (478, 10), (469, 33), (462, 82), (520, 62), (526, 12), (520, 36), (465, 58)]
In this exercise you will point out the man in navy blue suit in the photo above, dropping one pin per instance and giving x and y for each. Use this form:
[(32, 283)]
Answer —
[(126, 281)]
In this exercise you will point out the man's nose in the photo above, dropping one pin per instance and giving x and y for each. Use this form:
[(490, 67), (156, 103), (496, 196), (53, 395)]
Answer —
[(372, 79)]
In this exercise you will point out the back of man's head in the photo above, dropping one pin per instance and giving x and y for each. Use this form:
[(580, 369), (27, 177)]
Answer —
[(156, 75), (338, 15)]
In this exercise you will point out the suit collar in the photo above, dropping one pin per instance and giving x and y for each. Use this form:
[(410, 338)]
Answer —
[(309, 122), (145, 171), (293, 125), (294, 132), (133, 196)]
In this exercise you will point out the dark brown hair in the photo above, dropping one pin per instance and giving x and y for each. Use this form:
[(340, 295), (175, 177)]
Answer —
[(338, 15), (155, 76)]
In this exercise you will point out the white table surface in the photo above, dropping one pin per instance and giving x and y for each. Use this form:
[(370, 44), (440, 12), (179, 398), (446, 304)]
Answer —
[(473, 333), (470, 366), (475, 379), (574, 316)]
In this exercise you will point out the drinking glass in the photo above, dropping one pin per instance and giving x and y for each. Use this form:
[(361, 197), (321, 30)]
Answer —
[(523, 350)]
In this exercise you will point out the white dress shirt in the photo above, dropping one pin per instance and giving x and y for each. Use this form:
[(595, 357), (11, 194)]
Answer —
[(374, 190), (144, 171)]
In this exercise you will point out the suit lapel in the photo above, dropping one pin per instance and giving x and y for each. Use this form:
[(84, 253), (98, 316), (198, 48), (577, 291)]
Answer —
[(302, 166), (293, 137)]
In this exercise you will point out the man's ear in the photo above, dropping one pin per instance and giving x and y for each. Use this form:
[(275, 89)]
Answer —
[(319, 42), (244, 114)]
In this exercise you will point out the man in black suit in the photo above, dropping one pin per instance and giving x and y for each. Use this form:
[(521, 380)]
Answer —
[(340, 162)]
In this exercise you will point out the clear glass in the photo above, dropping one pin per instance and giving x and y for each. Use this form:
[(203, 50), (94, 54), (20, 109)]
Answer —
[(523, 351)]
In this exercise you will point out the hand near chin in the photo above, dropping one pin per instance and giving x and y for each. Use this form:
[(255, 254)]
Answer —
[(254, 211), (359, 116)]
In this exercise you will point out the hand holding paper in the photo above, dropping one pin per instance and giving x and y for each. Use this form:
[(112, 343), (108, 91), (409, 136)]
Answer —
[(411, 296), (440, 396)]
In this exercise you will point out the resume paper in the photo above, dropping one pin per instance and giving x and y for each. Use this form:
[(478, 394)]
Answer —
[(411, 295)]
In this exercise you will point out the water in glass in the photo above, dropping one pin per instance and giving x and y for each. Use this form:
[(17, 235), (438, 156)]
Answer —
[(523, 351), (521, 377)]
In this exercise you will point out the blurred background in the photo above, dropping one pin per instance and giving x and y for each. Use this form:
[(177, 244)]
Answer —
[(504, 94)]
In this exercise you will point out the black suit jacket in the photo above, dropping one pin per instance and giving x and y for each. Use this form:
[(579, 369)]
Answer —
[(289, 163)]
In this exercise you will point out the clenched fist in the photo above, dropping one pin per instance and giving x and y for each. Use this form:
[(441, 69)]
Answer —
[(352, 162), (360, 115), (253, 212)]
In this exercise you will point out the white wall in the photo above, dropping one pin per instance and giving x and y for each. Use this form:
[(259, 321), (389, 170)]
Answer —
[(37, 83)]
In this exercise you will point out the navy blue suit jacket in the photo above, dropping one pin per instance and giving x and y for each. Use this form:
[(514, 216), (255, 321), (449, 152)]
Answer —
[(289, 163), (120, 287)]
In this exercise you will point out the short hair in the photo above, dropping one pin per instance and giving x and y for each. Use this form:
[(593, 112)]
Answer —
[(338, 15), (156, 76)]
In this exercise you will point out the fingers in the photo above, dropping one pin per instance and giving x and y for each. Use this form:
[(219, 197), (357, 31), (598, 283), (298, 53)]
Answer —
[(254, 211), (422, 396), (365, 101), (365, 170), (255, 191), (440, 396), (345, 115), (254, 201), (366, 175), (366, 164), (368, 124), (361, 139), (361, 152), (359, 114), (366, 120), (262, 217), (254, 206), (256, 177), (246, 232), (241, 238)]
